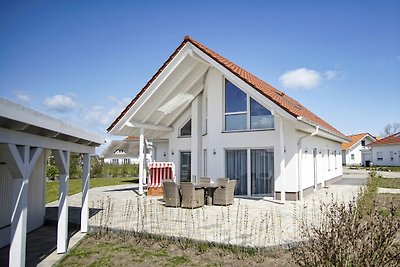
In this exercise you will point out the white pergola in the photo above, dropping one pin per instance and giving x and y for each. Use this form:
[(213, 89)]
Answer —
[(24, 136)]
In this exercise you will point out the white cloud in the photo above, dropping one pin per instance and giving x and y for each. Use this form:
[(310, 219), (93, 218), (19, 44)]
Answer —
[(331, 74), (104, 116), (22, 96), (60, 103), (301, 78)]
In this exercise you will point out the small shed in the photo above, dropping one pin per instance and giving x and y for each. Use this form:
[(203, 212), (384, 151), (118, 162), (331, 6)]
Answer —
[(27, 138)]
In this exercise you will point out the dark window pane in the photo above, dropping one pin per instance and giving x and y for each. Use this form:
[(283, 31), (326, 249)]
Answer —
[(260, 117), (186, 130), (235, 99), (235, 122)]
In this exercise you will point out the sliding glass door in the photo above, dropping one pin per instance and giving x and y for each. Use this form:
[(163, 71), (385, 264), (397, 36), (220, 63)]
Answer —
[(260, 171), (236, 168)]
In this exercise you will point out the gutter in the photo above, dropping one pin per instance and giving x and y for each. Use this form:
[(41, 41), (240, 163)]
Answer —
[(299, 159)]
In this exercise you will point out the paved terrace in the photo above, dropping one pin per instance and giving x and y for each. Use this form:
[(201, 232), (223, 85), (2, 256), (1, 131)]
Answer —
[(250, 222)]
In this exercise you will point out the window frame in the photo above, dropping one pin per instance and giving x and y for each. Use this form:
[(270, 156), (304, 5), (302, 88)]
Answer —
[(247, 112), (183, 125)]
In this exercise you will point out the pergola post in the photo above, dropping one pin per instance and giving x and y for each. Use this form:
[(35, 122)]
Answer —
[(62, 160), (21, 161), (85, 193), (141, 160)]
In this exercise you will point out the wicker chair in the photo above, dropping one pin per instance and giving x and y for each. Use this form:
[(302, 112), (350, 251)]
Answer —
[(223, 195), (222, 181), (172, 197), (204, 181), (191, 198)]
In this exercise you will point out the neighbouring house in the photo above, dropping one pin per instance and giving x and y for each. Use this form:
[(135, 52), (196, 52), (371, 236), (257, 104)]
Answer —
[(121, 152), (27, 139), (357, 151), (386, 151), (127, 151), (212, 118)]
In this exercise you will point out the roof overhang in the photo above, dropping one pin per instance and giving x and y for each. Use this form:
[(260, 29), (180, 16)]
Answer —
[(18, 118), (309, 127)]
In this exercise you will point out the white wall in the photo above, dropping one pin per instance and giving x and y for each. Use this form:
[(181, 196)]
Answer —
[(327, 167), (36, 200), (5, 204), (356, 150), (121, 160), (161, 151), (386, 155)]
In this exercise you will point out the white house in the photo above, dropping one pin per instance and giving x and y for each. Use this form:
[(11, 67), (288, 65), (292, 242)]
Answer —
[(121, 152), (357, 151), (27, 138), (386, 151), (212, 118)]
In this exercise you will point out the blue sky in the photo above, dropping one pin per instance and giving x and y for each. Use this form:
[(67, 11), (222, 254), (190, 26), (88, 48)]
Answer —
[(82, 61)]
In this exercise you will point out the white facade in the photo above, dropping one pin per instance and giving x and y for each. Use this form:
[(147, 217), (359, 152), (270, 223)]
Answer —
[(296, 154), (386, 155), (358, 153)]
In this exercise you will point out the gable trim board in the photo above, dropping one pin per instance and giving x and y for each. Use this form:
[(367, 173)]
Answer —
[(208, 71)]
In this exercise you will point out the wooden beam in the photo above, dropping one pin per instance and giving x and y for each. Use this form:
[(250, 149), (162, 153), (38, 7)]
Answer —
[(62, 160), (148, 126), (85, 193)]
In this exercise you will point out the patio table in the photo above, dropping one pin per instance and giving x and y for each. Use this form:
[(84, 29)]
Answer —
[(209, 190)]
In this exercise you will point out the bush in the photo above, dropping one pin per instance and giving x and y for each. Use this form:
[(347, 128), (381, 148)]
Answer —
[(353, 234)]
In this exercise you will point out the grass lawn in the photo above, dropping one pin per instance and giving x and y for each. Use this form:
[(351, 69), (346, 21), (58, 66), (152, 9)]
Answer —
[(113, 250), (389, 182), (75, 185)]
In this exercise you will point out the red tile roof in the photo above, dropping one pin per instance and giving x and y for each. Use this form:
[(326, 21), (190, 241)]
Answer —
[(354, 139), (278, 97), (393, 139)]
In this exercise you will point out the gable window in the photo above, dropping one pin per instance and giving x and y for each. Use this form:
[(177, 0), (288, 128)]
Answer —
[(186, 129), (363, 143), (243, 112)]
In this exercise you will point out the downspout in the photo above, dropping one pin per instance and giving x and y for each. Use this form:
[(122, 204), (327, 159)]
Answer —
[(299, 159)]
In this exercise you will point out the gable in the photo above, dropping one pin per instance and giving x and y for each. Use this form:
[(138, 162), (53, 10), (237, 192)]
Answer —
[(355, 139), (279, 98)]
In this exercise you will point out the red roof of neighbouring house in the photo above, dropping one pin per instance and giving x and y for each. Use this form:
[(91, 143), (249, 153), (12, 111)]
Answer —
[(393, 139), (278, 97), (354, 139)]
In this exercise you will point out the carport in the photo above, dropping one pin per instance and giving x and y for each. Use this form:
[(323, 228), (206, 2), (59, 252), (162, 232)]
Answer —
[(27, 138)]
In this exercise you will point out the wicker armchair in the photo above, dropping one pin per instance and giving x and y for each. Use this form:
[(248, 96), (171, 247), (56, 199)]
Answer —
[(191, 198), (222, 181), (223, 195), (172, 197), (204, 181)]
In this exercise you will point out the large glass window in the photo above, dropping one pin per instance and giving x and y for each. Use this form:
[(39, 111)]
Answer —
[(241, 116), (186, 161), (260, 117)]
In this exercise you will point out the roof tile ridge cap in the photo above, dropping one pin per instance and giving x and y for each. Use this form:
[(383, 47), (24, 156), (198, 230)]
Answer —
[(222, 58)]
